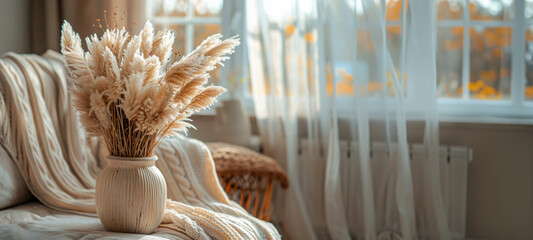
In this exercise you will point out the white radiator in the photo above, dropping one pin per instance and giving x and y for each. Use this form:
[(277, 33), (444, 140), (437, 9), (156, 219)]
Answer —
[(453, 172)]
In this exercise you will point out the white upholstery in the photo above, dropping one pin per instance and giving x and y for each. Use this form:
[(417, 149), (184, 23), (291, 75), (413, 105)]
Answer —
[(60, 165)]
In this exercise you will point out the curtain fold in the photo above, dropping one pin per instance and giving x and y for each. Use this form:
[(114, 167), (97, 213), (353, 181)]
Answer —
[(329, 86), (47, 16)]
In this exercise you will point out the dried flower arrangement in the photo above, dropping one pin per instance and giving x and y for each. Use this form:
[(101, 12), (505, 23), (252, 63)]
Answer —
[(131, 92)]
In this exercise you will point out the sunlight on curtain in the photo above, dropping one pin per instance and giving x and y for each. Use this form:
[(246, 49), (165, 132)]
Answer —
[(326, 74)]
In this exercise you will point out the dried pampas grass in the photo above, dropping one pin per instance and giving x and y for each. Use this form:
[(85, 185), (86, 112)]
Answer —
[(131, 93)]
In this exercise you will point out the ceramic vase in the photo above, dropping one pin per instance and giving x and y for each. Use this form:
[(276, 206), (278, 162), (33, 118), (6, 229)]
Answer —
[(131, 195), (232, 124)]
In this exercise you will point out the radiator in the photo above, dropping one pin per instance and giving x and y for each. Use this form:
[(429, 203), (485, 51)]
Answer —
[(453, 160)]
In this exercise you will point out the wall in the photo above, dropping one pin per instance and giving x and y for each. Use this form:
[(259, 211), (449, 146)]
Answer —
[(14, 26), (500, 177), (500, 181)]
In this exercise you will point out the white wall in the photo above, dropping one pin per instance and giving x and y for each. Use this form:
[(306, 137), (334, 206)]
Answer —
[(14, 26), (500, 181)]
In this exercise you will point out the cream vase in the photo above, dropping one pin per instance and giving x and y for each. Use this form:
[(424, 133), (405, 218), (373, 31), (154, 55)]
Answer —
[(131, 195)]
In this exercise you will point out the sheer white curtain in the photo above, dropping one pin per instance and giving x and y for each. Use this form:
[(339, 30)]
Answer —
[(329, 85)]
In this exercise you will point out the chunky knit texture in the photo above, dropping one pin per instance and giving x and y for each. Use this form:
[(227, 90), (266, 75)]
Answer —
[(60, 165)]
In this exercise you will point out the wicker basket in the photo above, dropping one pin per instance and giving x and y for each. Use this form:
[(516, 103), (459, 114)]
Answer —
[(248, 177)]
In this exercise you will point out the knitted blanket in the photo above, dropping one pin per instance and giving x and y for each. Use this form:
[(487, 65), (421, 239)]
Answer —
[(60, 165)]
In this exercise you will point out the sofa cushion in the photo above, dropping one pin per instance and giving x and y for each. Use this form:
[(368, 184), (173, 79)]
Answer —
[(33, 220), (13, 190)]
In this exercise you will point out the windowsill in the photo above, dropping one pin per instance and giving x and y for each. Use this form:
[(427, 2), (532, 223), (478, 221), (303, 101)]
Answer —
[(205, 121), (472, 119), (486, 119), (447, 114)]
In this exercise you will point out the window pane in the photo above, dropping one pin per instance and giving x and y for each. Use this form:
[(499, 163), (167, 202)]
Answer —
[(207, 8), (450, 62), (394, 44), (201, 32), (394, 10), (179, 32), (450, 9), (529, 9), (366, 59), (529, 62), (490, 63), (344, 79), (368, 67), (491, 9), (171, 8)]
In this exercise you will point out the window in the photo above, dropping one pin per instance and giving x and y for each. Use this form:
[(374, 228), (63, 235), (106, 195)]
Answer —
[(191, 20), (484, 57), (484, 51)]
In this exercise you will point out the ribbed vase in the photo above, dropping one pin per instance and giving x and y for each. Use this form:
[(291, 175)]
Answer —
[(131, 195)]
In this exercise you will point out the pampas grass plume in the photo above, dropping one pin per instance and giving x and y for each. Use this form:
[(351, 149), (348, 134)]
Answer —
[(129, 91)]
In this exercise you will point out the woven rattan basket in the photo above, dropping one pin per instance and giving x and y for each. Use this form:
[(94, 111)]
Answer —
[(248, 177)]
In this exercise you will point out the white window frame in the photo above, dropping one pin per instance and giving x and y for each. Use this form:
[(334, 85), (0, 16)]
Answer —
[(189, 21), (513, 110)]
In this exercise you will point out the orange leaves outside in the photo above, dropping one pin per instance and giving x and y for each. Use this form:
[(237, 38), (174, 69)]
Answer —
[(345, 86), (529, 92), (496, 37), (394, 10), (529, 36), (488, 50), (290, 29), (454, 11), (445, 10), (480, 90)]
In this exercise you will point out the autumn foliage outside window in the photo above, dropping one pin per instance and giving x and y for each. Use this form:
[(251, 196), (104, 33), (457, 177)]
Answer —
[(474, 45), (489, 49)]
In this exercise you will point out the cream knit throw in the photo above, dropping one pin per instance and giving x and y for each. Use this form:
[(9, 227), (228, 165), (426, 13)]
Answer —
[(60, 166)]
